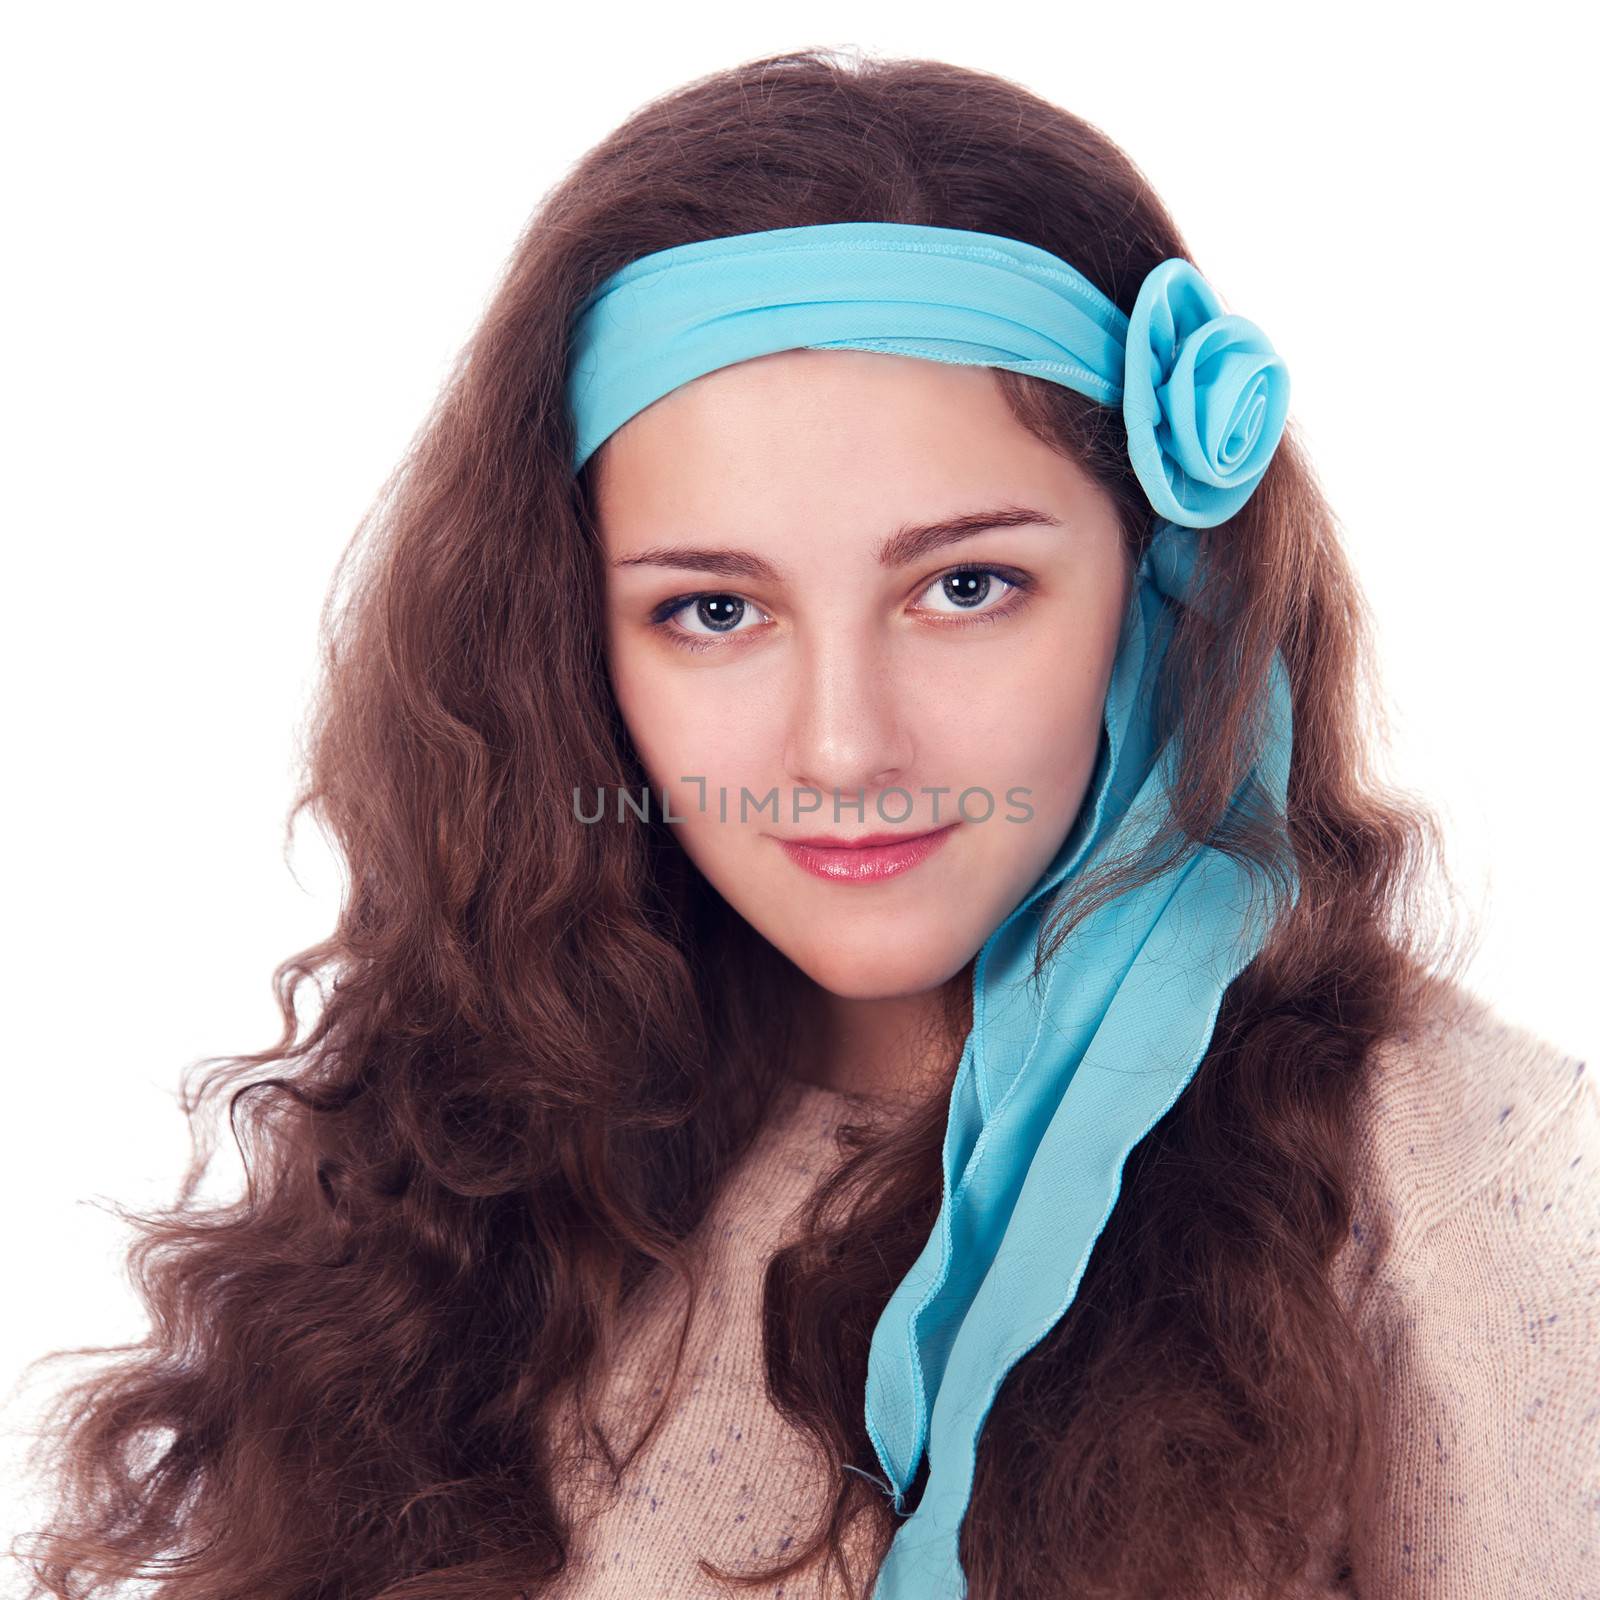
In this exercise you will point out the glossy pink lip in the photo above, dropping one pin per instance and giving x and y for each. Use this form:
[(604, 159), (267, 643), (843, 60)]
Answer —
[(865, 860)]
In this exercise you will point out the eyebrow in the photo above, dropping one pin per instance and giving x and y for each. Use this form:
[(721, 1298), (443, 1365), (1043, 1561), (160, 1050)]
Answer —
[(901, 548)]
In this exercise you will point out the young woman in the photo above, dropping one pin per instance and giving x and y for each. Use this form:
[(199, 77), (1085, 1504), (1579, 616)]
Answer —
[(677, 1183)]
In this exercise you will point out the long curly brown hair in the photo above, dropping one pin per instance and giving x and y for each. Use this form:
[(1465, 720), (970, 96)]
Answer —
[(540, 1045)]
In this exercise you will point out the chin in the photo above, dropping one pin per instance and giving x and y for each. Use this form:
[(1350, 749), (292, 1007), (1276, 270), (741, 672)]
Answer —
[(874, 972)]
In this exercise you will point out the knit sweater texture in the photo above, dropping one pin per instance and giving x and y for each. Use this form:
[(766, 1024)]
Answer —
[(1472, 1269)]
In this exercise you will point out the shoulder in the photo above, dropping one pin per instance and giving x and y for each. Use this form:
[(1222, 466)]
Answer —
[(1461, 1097), (1474, 1266)]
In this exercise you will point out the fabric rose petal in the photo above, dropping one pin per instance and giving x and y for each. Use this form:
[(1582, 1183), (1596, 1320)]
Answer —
[(1204, 398)]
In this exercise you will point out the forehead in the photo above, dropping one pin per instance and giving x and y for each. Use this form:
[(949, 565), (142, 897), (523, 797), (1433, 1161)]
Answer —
[(804, 422)]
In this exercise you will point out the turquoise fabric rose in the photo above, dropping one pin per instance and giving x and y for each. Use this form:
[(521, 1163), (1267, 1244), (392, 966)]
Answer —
[(1204, 397)]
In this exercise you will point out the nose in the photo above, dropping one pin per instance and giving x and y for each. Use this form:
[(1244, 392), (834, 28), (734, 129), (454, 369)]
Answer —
[(847, 729)]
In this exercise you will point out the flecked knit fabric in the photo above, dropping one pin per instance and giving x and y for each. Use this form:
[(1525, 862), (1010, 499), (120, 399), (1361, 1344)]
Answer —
[(1472, 1268)]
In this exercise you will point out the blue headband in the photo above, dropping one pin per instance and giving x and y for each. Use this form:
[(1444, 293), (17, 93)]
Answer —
[(1057, 1082), (1203, 394)]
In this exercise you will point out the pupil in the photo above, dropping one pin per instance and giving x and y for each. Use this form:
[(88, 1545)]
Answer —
[(720, 611), (973, 586)]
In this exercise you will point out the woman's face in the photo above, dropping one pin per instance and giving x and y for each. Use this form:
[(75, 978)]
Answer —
[(795, 660)]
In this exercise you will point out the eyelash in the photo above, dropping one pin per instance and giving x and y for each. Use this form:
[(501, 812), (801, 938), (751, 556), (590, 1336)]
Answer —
[(662, 617)]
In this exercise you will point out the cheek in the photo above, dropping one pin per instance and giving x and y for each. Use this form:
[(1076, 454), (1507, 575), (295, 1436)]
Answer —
[(692, 726), (1061, 710), (1028, 717)]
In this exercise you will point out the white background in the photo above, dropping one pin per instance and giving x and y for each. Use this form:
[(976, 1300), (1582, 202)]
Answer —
[(245, 244)]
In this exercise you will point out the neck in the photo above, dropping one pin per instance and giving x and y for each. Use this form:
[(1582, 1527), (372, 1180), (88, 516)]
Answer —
[(893, 1047)]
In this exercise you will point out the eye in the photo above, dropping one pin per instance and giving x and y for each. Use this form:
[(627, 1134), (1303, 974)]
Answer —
[(967, 589), (703, 621), (716, 615)]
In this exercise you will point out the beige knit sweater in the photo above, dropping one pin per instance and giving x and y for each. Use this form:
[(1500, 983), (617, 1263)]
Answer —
[(1473, 1268)]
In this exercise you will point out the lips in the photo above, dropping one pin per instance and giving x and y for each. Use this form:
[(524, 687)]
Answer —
[(868, 858), (826, 842)]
